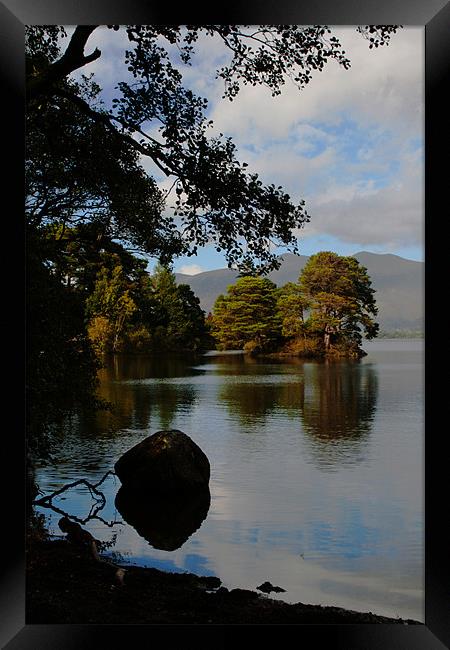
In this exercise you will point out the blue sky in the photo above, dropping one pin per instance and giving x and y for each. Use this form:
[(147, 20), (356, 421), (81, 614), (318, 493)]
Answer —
[(350, 144)]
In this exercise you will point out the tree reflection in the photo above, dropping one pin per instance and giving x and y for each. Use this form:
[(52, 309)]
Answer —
[(168, 400), (338, 407), (291, 398), (121, 367), (138, 398), (250, 401)]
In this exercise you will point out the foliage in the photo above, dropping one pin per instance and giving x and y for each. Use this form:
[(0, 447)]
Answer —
[(111, 301), (179, 319), (78, 174), (78, 254), (341, 298), (139, 339), (61, 369), (152, 314), (247, 317), (292, 306), (306, 346), (321, 314), (101, 334)]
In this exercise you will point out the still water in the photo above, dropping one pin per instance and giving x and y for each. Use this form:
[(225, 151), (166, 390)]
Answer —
[(317, 471)]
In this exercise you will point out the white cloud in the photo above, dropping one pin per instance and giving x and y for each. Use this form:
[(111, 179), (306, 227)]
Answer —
[(363, 183), (349, 143), (191, 269), (287, 166), (382, 86), (392, 216)]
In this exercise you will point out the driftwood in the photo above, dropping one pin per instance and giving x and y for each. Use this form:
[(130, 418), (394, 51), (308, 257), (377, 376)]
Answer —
[(98, 496), (70, 524)]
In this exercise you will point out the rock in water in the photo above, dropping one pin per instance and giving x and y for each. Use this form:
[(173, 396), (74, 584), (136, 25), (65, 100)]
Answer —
[(166, 463)]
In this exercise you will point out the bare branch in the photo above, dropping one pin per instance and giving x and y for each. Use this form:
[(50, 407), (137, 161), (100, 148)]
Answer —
[(82, 481), (99, 498)]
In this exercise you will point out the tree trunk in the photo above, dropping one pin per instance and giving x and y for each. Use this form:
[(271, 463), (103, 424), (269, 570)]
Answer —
[(329, 330), (73, 59)]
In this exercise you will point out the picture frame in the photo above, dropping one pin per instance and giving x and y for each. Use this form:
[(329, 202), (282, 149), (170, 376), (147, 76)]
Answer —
[(435, 633)]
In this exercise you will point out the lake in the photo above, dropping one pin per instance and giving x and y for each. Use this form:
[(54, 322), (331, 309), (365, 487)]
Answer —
[(317, 471)]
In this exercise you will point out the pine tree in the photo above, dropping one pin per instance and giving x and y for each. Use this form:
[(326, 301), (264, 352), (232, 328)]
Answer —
[(247, 318), (341, 297)]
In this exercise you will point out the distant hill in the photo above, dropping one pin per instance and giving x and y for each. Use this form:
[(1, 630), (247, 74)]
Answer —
[(399, 285)]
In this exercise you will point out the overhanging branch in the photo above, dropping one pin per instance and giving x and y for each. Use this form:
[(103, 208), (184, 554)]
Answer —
[(150, 151), (72, 59)]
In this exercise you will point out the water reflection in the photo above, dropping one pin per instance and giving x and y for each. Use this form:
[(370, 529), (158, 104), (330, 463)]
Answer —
[(244, 364), (338, 406), (250, 402), (254, 389), (139, 404), (325, 493), (165, 523), (123, 367)]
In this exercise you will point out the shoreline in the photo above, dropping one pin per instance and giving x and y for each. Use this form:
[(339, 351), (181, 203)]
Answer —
[(65, 585)]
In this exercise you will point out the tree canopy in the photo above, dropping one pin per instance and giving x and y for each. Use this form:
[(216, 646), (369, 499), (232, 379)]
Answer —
[(292, 306), (246, 316), (179, 322), (147, 314), (83, 159), (340, 294)]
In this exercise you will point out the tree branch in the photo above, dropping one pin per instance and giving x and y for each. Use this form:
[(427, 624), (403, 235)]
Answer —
[(157, 156), (99, 498), (72, 59), (82, 481)]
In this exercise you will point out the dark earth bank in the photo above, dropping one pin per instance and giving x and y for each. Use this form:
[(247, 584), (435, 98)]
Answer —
[(65, 584)]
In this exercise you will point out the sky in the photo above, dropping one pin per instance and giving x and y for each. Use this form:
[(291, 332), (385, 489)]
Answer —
[(350, 144)]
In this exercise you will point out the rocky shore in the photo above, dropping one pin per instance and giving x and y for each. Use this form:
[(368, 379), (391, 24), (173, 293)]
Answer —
[(66, 585)]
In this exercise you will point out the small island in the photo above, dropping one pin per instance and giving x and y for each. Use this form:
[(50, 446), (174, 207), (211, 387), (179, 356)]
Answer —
[(324, 314)]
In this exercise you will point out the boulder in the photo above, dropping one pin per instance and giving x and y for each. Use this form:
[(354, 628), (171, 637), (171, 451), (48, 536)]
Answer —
[(166, 463)]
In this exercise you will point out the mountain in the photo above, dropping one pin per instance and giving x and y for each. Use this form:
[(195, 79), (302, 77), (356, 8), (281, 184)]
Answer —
[(399, 285)]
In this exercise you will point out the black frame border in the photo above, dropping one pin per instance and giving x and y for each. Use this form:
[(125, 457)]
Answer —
[(434, 16)]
